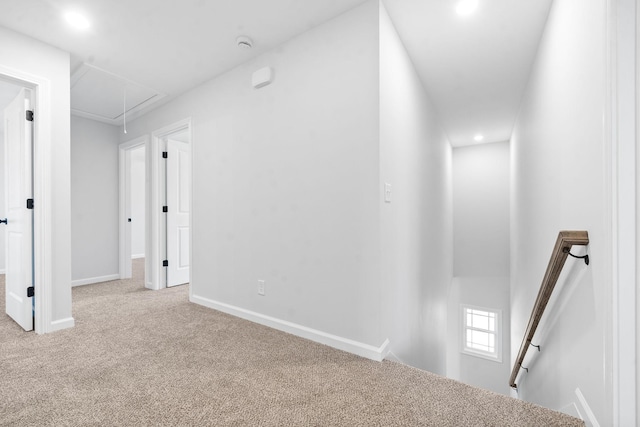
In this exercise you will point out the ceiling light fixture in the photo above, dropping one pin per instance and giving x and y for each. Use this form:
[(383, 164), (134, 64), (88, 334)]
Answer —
[(77, 20), (466, 7), (244, 42), (478, 138)]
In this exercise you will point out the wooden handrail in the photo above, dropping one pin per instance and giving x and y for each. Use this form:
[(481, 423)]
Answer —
[(566, 239)]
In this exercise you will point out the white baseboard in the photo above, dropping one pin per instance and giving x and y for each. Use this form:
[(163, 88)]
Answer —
[(92, 280), (589, 417), (392, 357), (572, 409), (137, 256), (58, 325), (365, 350)]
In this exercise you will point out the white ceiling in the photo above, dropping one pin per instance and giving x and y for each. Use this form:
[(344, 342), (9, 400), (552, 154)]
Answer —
[(100, 95), (474, 68)]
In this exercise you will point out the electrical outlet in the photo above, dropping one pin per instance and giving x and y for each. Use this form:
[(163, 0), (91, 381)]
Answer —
[(261, 287), (387, 192)]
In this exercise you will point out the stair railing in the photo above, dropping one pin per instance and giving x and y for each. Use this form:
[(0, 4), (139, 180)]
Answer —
[(566, 240)]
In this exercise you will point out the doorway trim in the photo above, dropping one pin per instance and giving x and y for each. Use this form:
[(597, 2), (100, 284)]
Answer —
[(621, 236), (124, 192), (156, 239), (42, 194)]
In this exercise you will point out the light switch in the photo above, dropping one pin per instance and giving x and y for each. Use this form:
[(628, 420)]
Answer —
[(387, 192)]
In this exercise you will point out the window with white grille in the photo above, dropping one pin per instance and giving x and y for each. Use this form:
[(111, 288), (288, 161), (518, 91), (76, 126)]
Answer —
[(482, 332)]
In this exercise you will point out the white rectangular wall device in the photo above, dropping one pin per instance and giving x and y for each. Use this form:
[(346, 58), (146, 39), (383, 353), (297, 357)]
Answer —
[(262, 77)]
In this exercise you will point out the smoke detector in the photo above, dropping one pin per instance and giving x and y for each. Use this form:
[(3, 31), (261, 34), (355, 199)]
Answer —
[(244, 42)]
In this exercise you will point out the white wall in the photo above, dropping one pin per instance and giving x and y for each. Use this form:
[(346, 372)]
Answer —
[(29, 56), (488, 292), (481, 210), (481, 184), (558, 184), (416, 236), (94, 201), (285, 182), (138, 220), (2, 211)]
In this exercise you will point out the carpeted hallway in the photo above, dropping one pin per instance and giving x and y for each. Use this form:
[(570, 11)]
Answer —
[(139, 357)]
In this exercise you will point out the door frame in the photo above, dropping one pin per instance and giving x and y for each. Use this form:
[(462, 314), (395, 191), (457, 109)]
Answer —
[(124, 152), (42, 194), (621, 168), (156, 240)]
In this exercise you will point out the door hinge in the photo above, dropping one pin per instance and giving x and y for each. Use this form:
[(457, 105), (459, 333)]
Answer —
[(165, 155), (165, 209), (29, 115), (30, 291), (29, 203), (165, 263)]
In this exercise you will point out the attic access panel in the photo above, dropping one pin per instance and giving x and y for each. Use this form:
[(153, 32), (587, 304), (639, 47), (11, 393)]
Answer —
[(99, 95)]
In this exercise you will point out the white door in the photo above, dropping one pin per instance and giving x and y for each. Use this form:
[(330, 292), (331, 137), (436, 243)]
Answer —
[(178, 202), (18, 182)]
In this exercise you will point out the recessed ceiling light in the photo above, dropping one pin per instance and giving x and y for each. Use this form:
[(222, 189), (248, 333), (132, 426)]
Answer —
[(478, 138), (466, 7), (77, 20)]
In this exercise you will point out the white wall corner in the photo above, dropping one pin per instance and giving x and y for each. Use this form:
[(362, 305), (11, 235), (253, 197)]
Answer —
[(385, 349), (345, 344)]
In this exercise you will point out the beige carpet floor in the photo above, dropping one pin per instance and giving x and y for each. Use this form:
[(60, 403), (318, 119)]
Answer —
[(145, 358)]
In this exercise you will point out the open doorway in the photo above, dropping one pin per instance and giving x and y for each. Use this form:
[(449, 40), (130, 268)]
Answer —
[(169, 219), (167, 208), (50, 305), (133, 204)]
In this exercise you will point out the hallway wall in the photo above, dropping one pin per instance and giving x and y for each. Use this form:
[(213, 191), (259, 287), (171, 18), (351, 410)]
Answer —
[(286, 183), (559, 175), (416, 234), (481, 182), (2, 211), (94, 201), (481, 220)]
